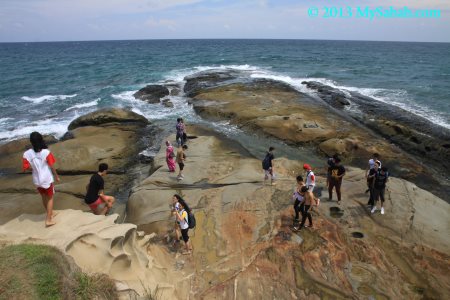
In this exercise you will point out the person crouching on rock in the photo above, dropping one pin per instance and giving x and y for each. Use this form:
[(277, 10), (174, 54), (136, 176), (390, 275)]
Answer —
[(170, 157), (181, 213), (299, 203), (99, 203), (41, 162), (309, 201)]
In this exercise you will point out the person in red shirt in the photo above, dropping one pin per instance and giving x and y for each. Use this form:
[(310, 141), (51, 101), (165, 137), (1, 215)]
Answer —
[(41, 162)]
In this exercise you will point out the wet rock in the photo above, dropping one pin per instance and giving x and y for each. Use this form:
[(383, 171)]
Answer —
[(152, 93), (107, 116), (167, 103), (332, 96)]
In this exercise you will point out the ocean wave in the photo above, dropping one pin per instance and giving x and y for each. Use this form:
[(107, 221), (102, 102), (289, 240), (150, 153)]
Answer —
[(56, 127), (83, 105), (47, 98), (4, 120)]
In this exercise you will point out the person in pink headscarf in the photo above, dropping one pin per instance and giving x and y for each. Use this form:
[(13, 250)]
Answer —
[(170, 157)]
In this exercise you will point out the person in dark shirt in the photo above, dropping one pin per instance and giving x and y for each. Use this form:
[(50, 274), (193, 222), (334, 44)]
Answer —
[(370, 180), (379, 186), (334, 180), (99, 203), (267, 165)]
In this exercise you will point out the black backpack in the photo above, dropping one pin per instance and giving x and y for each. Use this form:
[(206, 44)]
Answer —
[(266, 162), (191, 219)]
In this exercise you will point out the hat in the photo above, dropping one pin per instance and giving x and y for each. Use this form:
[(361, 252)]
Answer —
[(306, 167)]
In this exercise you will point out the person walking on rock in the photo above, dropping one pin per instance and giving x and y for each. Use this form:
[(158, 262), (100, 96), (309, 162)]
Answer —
[(99, 203), (370, 166), (379, 186), (181, 132), (310, 200), (299, 203), (41, 162), (182, 214), (181, 157), (337, 172), (370, 181), (170, 157), (310, 178), (267, 165)]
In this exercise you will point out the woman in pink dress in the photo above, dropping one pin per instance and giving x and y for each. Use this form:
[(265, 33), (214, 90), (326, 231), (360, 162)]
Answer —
[(170, 157)]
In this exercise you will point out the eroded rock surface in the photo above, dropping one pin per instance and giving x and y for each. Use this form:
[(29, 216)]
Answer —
[(277, 109), (98, 245), (244, 246)]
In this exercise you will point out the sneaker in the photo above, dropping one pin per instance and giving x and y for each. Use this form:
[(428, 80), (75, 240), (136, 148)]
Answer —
[(382, 210), (373, 209)]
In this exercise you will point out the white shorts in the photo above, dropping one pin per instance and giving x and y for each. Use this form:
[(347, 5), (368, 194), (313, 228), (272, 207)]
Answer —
[(269, 173)]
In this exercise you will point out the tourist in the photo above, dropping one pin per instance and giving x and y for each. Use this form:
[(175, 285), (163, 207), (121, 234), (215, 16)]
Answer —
[(299, 203), (331, 162), (379, 186), (170, 157), (309, 201), (310, 178), (99, 203), (370, 166), (41, 162), (182, 213), (184, 134), (267, 165), (174, 208), (180, 127), (181, 157), (337, 172), (370, 181)]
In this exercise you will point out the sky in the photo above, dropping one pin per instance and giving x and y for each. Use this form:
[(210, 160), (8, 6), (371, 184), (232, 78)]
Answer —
[(79, 20)]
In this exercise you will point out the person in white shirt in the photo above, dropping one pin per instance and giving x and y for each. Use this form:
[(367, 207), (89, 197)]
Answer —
[(310, 178), (41, 162)]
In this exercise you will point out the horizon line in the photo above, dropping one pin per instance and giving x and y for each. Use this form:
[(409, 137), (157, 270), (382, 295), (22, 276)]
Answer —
[(191, 39)]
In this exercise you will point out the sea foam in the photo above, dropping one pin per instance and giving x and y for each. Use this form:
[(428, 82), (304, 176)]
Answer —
[(47, 98)]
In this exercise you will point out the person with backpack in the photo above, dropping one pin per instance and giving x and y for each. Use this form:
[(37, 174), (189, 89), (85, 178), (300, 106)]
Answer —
[(183, 215), (41, 162), (379, 187), (267, 165), (310, 178), (299, 203)]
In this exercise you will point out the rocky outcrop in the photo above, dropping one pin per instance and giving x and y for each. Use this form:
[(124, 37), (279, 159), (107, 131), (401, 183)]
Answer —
[(152, 93), (278, 110), (115, 139), (109, 116), (412, 133), (98, 245), (244, 246)]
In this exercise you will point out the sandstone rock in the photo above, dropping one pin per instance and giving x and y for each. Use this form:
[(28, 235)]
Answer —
[(98, 245), (152, 93), (109, 115), (243, 239)]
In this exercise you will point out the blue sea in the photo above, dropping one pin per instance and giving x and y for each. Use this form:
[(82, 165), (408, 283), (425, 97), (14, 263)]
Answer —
[(44, 86)]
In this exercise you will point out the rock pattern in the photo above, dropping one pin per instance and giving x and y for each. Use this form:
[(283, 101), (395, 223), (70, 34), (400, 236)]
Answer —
[(107, 116), (244, 246), (98, 245), (152, 93)]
